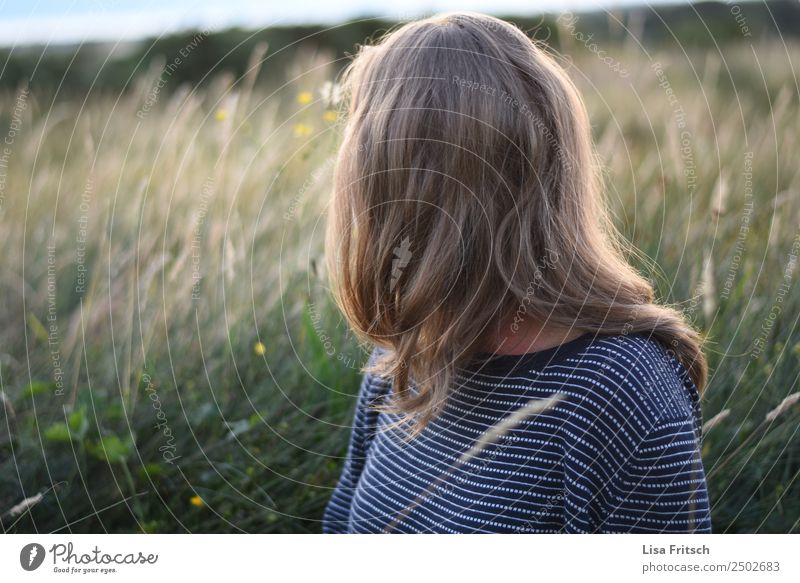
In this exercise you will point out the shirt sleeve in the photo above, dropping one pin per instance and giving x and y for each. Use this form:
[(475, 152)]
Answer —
[(632, 463), (337, 512), (661, 488)]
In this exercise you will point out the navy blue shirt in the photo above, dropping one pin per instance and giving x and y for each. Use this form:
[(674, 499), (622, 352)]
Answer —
[(618, 453)]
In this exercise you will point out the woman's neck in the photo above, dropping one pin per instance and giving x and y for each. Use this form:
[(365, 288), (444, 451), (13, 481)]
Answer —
[(528, 336)]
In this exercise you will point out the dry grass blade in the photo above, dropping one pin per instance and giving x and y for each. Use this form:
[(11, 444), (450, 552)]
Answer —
[(7, 405), (716, 420), (785, 405), (26, 504), (765, 425)]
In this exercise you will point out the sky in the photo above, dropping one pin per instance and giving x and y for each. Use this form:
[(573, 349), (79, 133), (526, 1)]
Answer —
[(74, 21)]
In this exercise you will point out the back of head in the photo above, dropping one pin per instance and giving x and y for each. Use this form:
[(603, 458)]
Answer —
[(466, 186)]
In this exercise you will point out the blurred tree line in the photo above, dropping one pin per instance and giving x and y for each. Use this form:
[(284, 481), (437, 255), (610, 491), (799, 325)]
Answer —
[(100, 67)]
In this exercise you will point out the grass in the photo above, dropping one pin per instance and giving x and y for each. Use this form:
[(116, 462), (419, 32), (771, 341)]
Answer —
[(170, 359)]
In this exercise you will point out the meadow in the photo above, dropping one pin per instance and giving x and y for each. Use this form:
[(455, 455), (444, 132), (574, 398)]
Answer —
[(170, 358)]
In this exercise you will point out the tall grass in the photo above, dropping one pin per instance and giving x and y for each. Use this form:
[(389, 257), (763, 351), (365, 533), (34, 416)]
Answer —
[(169, 356)]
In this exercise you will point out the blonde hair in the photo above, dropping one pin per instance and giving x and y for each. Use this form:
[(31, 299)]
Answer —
[(466, 186)]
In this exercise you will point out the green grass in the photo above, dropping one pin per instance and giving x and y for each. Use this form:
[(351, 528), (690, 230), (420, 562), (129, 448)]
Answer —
[(255, 441)]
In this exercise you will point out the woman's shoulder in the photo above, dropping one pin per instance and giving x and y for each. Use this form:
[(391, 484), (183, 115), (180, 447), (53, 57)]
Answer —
[(632, 380), (639, 354), (625, 378)]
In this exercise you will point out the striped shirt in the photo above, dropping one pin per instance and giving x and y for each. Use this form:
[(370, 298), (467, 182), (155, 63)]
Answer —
[(619, 452)]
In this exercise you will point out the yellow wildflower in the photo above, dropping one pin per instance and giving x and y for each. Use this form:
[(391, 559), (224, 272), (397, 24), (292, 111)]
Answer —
[(259, 348), (305, 97), (301, 130), (220, 115), (330, 116), (196, 501)]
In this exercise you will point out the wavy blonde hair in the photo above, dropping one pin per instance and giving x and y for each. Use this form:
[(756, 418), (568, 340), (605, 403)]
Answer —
[(466, 187)]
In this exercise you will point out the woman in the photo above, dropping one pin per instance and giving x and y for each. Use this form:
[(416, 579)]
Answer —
[(523, 379)]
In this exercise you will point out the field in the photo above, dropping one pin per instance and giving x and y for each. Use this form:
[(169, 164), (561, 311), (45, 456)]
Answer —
[(170, 359)]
